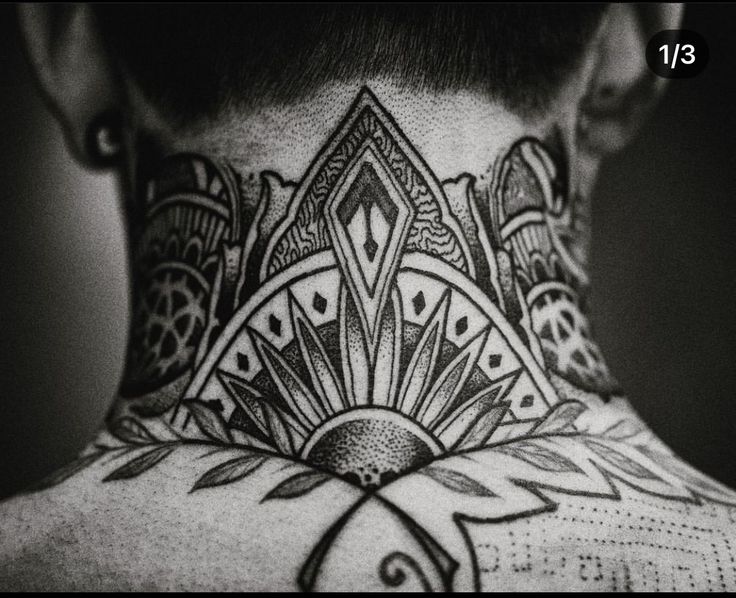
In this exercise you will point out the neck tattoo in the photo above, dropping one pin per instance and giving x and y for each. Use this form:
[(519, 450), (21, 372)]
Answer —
[(371, 322), (368, 305)]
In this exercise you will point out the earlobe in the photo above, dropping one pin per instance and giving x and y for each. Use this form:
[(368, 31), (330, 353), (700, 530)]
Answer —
[(622, 90), (77, 77)]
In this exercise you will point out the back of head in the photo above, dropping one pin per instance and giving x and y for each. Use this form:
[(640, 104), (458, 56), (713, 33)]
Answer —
[(193, 60)]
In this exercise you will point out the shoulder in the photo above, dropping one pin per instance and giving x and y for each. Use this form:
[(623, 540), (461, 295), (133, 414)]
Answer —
[(153, 532)]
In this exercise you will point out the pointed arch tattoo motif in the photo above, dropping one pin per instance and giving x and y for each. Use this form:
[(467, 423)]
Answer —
[(380, 329)]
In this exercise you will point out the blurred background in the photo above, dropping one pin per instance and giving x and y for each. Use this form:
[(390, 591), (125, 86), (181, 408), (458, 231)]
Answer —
[(664, 252)]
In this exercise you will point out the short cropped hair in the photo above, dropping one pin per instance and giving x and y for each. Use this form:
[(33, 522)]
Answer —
[(194, 59)]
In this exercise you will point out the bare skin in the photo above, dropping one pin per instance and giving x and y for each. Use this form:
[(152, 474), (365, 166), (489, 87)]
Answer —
[(361, 358)]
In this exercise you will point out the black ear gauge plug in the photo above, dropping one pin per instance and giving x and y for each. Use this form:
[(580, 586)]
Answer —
[(104, 139)]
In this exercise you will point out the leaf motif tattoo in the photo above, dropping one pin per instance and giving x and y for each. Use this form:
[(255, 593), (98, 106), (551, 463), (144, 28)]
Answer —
[(209, 421), (140, 464), (298, 485), (539, 456), (561, 418), (131, 431), (619, 460), (456, 481), (230, 471)]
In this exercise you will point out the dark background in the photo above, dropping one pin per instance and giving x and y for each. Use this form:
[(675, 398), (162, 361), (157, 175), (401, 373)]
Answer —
[(663, 255)]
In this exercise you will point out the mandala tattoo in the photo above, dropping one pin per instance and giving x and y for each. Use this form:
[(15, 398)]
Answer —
[(191, 217), (384, 329)]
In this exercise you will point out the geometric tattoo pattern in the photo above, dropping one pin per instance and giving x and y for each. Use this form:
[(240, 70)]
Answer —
[(190, 218), (534, 220), (378, 327)]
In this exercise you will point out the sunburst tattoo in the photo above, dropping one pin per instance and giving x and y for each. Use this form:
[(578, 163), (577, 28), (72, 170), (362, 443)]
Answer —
[(390, 356)]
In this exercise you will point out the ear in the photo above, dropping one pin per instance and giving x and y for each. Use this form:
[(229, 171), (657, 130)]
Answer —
[(622, 90), (76, 75)]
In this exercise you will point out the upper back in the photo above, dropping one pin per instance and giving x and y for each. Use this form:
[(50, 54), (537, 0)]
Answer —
[(555, 512)]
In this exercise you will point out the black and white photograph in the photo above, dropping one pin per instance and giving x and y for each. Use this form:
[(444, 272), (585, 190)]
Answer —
[(347, 297)]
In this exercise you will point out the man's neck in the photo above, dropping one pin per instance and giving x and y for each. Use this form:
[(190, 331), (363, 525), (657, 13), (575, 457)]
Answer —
[(360, 267)]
